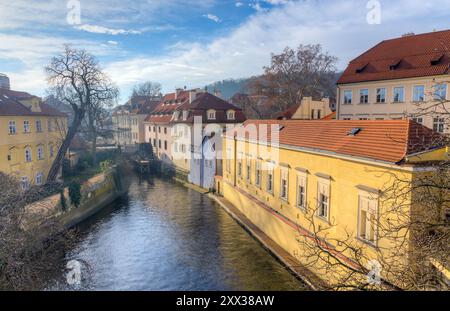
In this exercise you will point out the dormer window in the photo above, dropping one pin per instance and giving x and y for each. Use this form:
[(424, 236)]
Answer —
[(231, 115), (211, 113), (176, 115), (436, 59), (361, 68), (185, 115)]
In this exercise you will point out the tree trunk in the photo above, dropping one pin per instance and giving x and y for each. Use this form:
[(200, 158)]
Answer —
[(54, 170)]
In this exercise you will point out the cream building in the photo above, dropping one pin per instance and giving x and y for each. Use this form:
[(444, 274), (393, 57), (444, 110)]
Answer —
[(308, 109), (398, 79), (31, 133)]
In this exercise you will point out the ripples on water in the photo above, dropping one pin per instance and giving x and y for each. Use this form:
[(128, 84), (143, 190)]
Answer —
[(167, 237)]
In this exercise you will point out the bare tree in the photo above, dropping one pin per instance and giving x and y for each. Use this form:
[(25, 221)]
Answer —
[(413, 221), (32, 243), (293, 74), (148, 89), (75, 78)]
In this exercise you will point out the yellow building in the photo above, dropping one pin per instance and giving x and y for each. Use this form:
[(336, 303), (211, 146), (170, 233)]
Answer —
[(31, 133), (303, 179)]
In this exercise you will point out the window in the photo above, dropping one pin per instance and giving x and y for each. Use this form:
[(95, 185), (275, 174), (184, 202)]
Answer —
[(159, 129), (301, 191), (312, 114), (159, 143), (367, 217), (399, 94), (346, 119), (258, 173), (25, 183), (211, 114), (440, 91), (239, 170), (40, 152), (364, 96), (323, 193), (165, 130), (438, 125), (26, 126), (363, 119), (12, 127), (49, 125), (52, 151), (38, 126), (39, 179), (319, 114), (381, 95), (185, 115), (249, 169), (419, 93), (418, 120), (269, 178), (348, 94), (230, 115), (28, 155), (284, 185), (165, 145)]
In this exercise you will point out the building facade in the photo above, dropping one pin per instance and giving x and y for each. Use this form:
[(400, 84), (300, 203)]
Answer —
[(32, 134), (302, 182), (308, 109), (400, 78), (128, 120)]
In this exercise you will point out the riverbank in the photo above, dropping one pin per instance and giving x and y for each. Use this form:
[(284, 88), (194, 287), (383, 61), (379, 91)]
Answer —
[(289, 261)]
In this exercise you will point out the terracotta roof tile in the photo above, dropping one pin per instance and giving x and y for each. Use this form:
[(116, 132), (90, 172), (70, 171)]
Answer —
[(381, 140), (406, 57)]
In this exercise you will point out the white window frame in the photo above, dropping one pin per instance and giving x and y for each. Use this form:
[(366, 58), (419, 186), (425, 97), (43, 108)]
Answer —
[(39, 126), (382, 99), (270, 172), (361, 96), (438, 123), (402, 99), (28, 155), (414, 93), (231, 115), (258, 172), (26, 127), (444, 90), (368, 203), (323, 188), (302, 181), (284, 176), (345, 99), (211, 114), (39, 179), (40, 152), (12, 127)]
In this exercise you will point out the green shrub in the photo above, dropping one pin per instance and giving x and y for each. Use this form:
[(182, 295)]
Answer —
[(75, 193)]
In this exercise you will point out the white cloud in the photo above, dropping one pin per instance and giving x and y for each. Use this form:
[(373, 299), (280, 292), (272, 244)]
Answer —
[(340, 26), (105, 30), (113, 42), (238, 4), (212, 17)]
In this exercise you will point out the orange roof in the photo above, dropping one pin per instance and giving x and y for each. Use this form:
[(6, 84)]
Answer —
[(406, 57), (331, 116), (380, 140)]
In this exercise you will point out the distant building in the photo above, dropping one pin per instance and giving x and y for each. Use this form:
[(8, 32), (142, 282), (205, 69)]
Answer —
[(396, 77), (4, 81), (128, 120), (32, 133), (307, 109)]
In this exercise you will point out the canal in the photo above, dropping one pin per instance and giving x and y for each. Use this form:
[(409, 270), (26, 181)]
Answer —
[(166, 237)]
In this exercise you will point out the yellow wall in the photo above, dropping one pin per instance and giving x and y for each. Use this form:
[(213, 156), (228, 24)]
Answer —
[(15, 145), (349, 180)]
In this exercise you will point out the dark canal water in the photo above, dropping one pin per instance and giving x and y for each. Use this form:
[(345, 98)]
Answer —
[(166, 237)]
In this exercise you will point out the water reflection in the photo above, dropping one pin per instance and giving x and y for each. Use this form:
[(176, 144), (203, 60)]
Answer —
[(166, 237)]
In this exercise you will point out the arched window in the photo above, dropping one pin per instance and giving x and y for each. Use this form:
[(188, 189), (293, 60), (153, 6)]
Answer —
[(28, 154), (231, 114), (211, 114), (52, 151)]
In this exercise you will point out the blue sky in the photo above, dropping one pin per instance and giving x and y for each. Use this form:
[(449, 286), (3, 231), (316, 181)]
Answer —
[(193, 43)]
